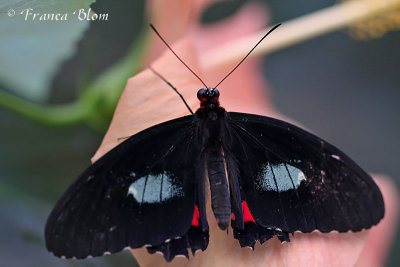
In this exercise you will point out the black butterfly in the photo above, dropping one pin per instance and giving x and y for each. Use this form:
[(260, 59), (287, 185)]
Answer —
[(267, 178)]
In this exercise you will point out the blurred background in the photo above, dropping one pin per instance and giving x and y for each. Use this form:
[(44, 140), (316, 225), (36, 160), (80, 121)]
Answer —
[(352, 86)]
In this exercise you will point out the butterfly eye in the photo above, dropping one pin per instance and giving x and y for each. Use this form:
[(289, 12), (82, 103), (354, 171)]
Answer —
[(201, 93), (216, 92)]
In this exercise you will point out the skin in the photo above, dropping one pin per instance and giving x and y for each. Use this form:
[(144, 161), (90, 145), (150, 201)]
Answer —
[(147, 101)]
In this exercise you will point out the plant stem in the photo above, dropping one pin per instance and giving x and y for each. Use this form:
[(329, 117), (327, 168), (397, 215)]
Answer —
[(59, 115)]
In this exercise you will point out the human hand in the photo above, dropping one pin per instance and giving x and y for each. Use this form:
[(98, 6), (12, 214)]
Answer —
[(147, 101)]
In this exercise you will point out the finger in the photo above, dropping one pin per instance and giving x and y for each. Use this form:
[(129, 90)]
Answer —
[(380, 237)]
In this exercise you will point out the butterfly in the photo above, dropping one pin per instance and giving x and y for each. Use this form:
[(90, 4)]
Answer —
[(266, 178)]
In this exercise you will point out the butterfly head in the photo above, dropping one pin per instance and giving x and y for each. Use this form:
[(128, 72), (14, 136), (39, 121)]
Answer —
[(209, 98)]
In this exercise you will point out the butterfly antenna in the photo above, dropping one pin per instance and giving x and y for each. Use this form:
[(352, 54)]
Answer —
[(173, 88), (276, 26), (162, 39)]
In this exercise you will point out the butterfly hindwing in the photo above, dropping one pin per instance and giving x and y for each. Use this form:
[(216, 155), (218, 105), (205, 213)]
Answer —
[(292, 180), (140, 193)]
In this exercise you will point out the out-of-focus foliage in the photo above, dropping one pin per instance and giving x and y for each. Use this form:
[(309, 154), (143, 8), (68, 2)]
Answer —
[(34, 49), (31, 48)]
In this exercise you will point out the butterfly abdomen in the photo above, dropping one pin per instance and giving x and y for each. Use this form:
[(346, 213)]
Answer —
[(220, 201), (211, 120)]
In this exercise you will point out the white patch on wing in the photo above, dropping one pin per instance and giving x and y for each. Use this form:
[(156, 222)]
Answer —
[(287, 177), (132, 191), (154, 188), (300, 177), (335, 157)]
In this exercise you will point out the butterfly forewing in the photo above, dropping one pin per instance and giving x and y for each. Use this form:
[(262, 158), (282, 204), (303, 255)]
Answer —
[(141, 192), (295, 181)]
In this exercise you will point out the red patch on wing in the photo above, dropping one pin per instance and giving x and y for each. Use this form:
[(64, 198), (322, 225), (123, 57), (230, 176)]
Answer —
[(196, 216), (232, 216), (247, 217)]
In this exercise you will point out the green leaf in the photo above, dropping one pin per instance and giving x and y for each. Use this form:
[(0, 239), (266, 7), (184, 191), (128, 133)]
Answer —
[(31, 49), (97, 101)]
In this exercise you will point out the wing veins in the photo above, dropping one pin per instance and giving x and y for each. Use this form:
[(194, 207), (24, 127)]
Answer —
[(313, 207), (338, 199), (342, 197), (277, 125), (170, 149), (297, 195), (355, 171), (357, 175), (285, 161), (360, 178), (256, 139), (279, 195), (144, 188), (244, 150), (161, 187)]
